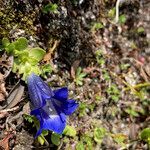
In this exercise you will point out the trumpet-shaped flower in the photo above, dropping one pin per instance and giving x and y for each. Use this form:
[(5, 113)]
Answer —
[(50, 107)]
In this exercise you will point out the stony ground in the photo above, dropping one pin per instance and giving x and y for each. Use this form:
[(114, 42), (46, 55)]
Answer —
[(104, 63)]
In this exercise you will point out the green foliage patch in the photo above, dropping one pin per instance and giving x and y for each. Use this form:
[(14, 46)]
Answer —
[(26, 59)]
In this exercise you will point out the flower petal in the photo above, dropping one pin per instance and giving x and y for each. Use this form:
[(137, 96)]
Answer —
[(35, 95), (39, 91), (35, 112), (61, 94), (40, 129), (53, 123), (70, 106)]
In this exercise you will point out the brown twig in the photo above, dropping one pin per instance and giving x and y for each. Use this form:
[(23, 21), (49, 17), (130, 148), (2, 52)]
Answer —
[(9, 110)]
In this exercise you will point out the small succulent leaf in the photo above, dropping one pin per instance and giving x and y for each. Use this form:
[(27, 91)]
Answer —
[(111, 12), (70, 131), (50, 8), (99, 133), (82, 75), (41, 140), (23, 56), (47, 68), (21, 69), (78, 71), (5, 42), (145, 134), (28, 118), (55, 138), (140, 30), (21, 44), (32, 61), (37, 53), (119, 138), (79, 82), (15, 65), (28, 69), (122, 19), (45, 132), (80, 146), (10, 48)]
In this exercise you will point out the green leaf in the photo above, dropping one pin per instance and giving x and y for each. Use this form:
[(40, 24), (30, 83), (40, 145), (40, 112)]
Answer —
[(79, 76), (78, 71), (119, 138), (82, 109), (47, 68), (55, 138), (122, 19), (37, 53), (80, 146), (87, 139), (70, 131), (21, 43), (41, 140), (5, 42), (145, 135), (27, 67), (99, 134), (99, 25), (82, 75), (32, 61), (115, 98), (23, 56), (30, 69), (132, 112), (10, 48), (140, 30), (24, 68), (111, 12), (96, 26), (28, 118), (105, 75), (50, 8), (45, 132)]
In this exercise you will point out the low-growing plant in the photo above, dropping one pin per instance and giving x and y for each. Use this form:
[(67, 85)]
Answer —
[(99, 57), (106, 75), (26, 59), (111, 13), (79, 76), (113, 92), (99, 134), (120, 139), (96, 26), (145, 135), (132, 111), (55, 138), (89, 139), (140, 30), (82, 109), (124, 66), (122, 19), (50, 7)]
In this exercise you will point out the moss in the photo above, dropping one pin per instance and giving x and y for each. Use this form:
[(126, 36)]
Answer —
[(11, 17)]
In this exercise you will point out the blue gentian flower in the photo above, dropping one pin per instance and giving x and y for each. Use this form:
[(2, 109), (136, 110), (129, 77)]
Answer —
[(50, 107)]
